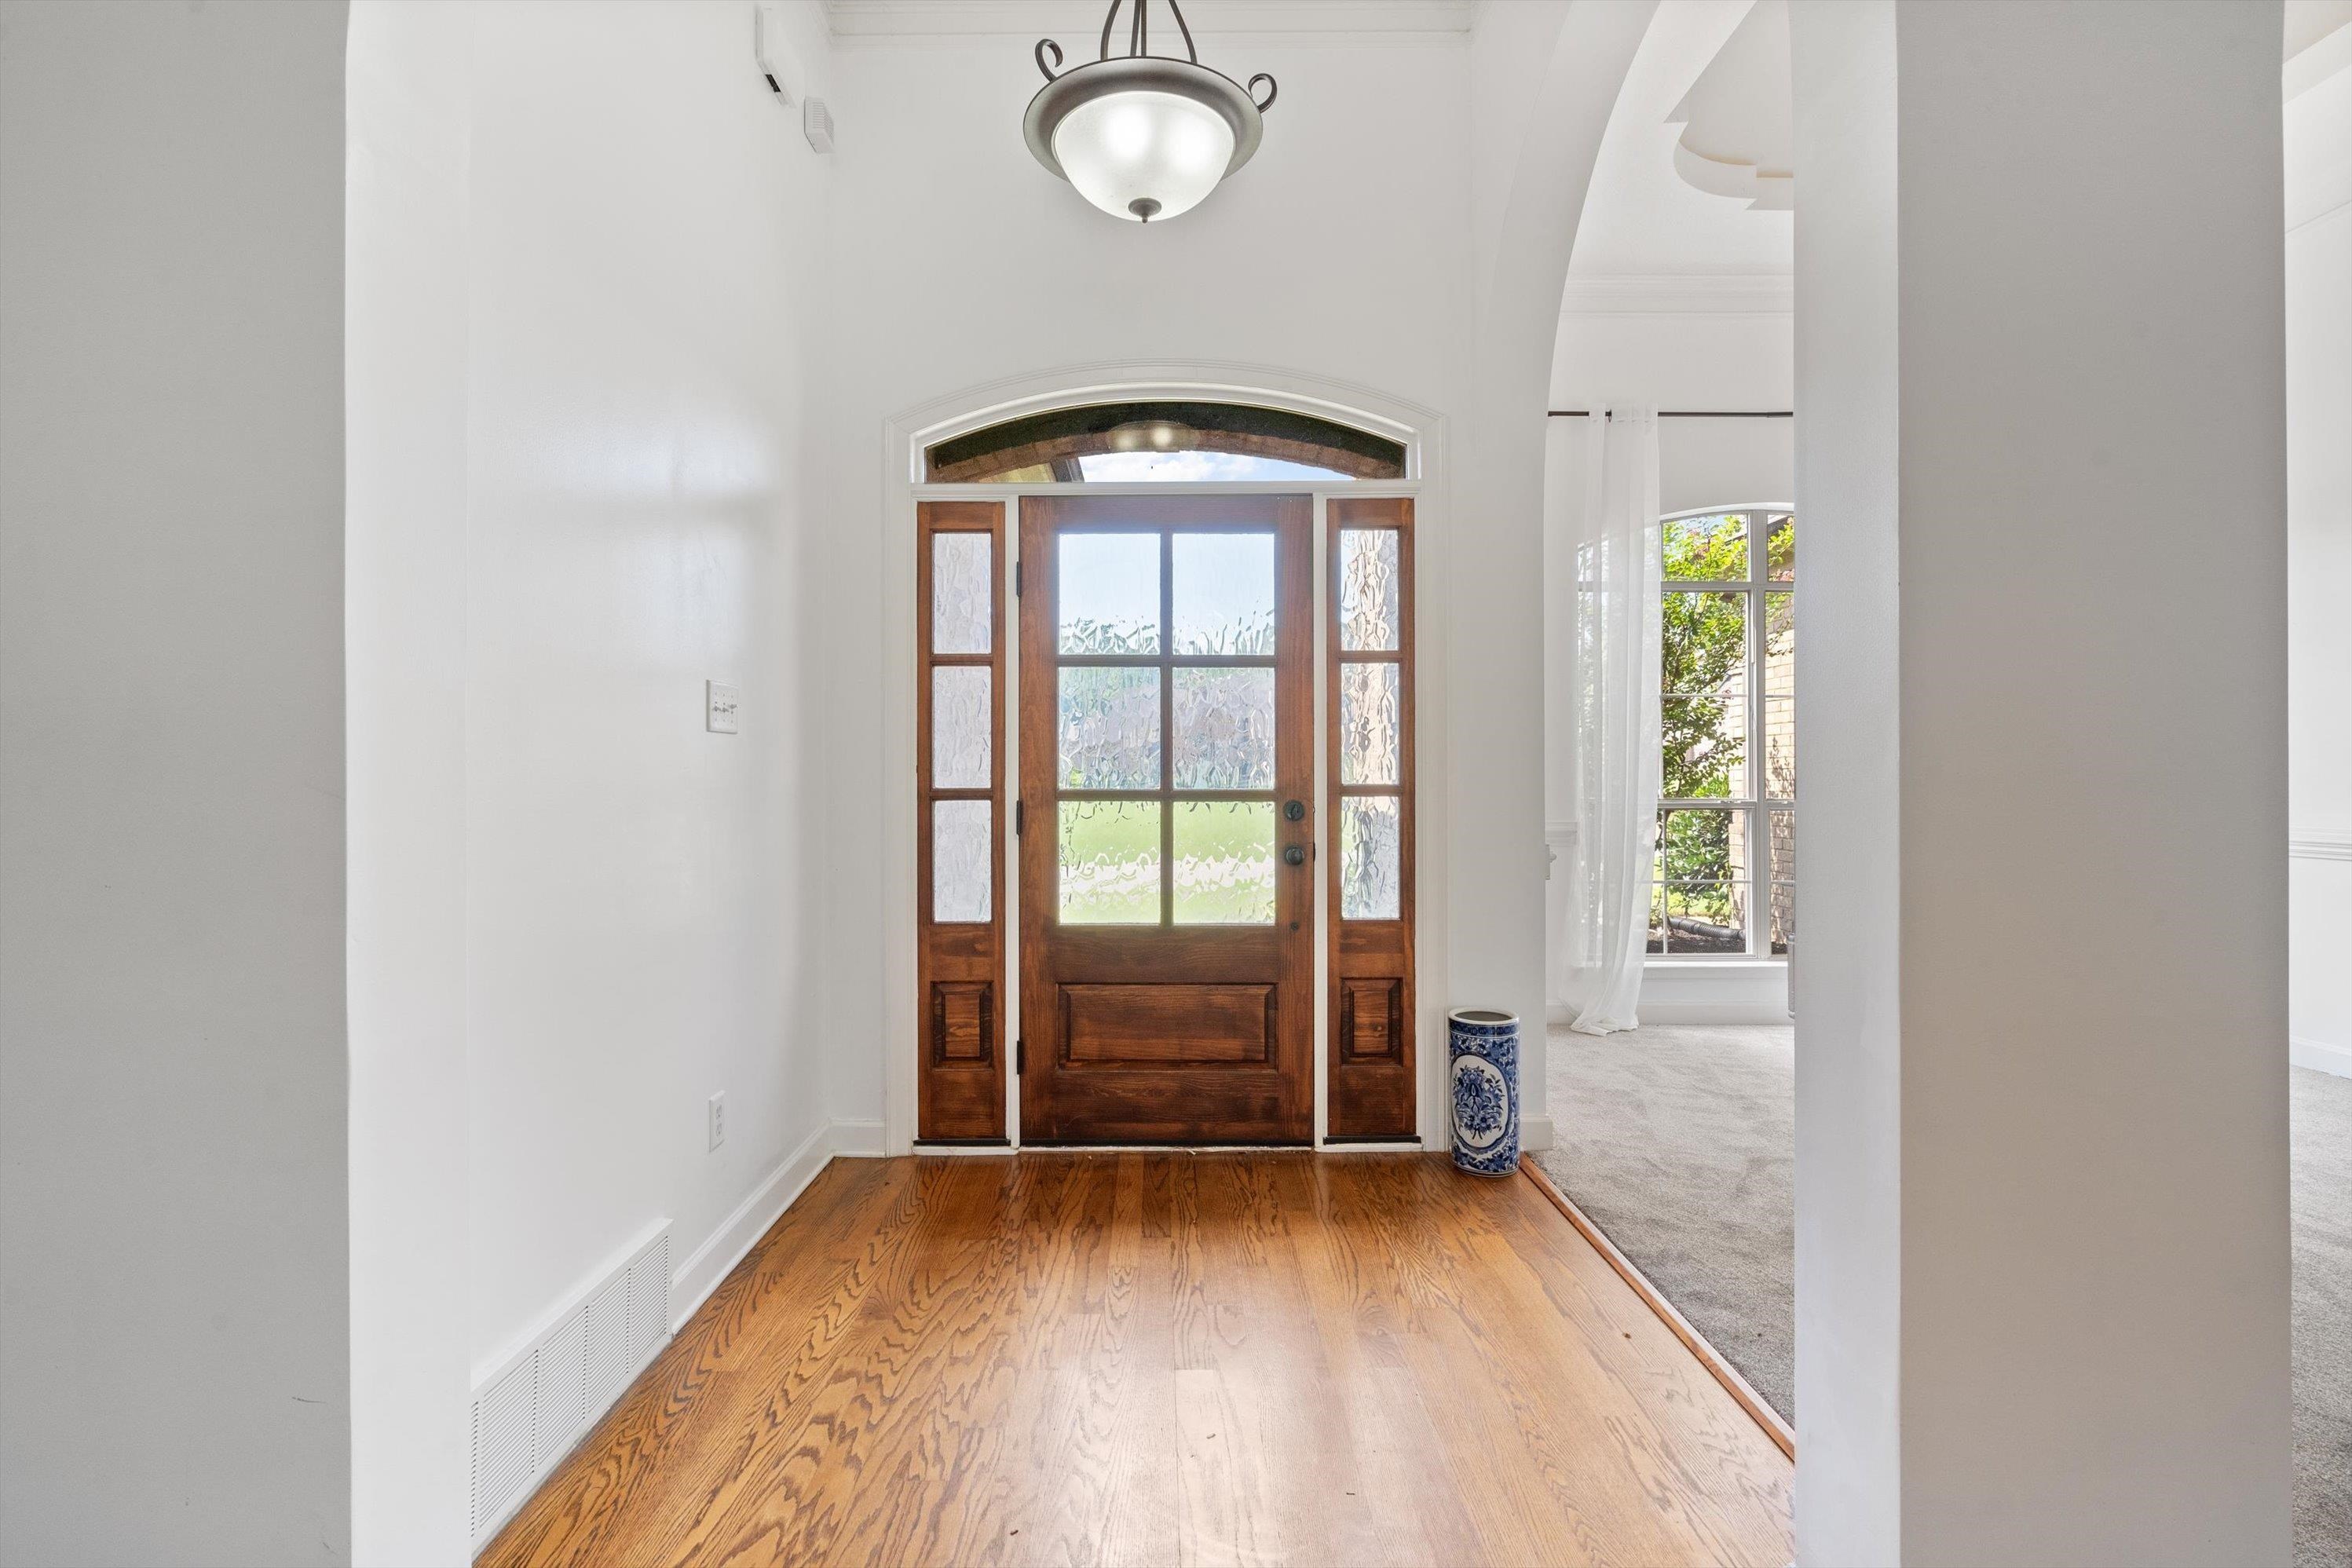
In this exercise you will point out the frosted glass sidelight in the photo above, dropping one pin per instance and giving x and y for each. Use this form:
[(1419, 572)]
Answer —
[(963, 727), (1370, 856), (1371, 724), (1372, 591), (1225, 863), (1109, 589), (1224, 729), (964, 870), (1109, 728), (1109, 870), (963, 593), (1222, 598)]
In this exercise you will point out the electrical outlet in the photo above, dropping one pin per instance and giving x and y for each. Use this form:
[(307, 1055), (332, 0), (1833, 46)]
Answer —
[(718, 1119), (721, 705)]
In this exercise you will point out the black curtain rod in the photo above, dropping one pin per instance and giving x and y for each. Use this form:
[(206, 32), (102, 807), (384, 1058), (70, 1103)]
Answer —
[(1687, 414)]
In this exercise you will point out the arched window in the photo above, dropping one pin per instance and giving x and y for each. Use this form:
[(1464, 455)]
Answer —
[(1163, 441), (1726, 808)]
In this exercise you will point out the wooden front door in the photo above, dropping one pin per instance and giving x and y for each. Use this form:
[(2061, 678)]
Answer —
[(1167, 812)]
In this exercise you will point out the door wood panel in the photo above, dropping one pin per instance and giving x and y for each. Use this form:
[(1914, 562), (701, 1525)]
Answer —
[(1168, 1025), (1157, 1031)]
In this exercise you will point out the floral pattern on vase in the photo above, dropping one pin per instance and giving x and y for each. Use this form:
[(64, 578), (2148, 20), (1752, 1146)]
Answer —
[(1484, 1051)]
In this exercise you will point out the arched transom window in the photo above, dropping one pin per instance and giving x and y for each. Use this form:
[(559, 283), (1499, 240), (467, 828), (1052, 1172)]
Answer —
[(1163, 441)]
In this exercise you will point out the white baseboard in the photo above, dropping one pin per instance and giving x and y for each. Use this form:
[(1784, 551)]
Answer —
[(857, 1140), (1534, 1134), (741, 1231), (689, 1286), (1714, 1012), (2320, 1054), (532, 1403)]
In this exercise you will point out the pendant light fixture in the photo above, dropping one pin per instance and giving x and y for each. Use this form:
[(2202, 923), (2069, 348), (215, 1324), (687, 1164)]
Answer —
[(1143, 136)]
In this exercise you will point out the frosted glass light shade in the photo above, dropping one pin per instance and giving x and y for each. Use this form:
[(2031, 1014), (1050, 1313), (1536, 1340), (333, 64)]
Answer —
[(1141, 155)]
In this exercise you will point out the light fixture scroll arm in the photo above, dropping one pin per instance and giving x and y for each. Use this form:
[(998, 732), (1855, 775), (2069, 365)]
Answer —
[(1188, 49), (1039, 55), (1271, 91)]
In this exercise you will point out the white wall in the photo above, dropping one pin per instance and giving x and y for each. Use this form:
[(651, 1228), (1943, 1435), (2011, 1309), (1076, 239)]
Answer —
[(2041, 1222), (960, 261), (590, 245), (2318, 129), (1692, 343), (173, 1366), (407, 318), (1342, 256)]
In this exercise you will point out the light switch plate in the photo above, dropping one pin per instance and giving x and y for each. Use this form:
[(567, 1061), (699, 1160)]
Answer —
[(720, 706)]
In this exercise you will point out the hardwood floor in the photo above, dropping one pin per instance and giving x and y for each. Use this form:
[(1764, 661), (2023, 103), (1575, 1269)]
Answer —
[(1167, 1358)]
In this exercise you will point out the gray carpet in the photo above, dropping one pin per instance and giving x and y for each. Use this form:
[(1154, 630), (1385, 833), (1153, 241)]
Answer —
[(2319, 1124), (1679, 1143)]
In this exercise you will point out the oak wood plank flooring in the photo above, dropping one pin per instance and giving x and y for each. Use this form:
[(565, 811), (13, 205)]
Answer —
[(1152, 1358)]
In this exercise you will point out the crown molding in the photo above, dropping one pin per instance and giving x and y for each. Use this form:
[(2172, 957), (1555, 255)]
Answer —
[(1323, 20), (1681, 294), (2319, 844)]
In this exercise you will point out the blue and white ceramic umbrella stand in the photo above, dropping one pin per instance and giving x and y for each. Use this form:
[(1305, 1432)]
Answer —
[(1483, 1068)]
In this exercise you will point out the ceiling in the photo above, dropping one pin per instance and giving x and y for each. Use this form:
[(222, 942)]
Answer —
[(1066, 18), (1644, 221)]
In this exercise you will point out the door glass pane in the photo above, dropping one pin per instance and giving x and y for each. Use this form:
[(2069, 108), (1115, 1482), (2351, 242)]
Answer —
[(963, 875), (1369, 857), (1706, 917), (1780, 548), (1705, 746), (1225, 728), (963, 592), (1225, 863), (1109, 728), (1109, 592), (1372, 591), (1110, 862), (962, 727), (1707, 550), (1780, 643), (1222, 596), (1371, 724)]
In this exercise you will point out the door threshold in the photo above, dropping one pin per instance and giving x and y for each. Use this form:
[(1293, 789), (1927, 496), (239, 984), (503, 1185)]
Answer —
[(1170, 1148)]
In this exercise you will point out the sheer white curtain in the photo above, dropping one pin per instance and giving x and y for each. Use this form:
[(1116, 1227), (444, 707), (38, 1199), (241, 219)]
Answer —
[(1615, 722)]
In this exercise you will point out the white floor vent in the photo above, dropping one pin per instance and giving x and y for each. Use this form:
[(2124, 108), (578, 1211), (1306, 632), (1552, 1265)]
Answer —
[(539, 1401)]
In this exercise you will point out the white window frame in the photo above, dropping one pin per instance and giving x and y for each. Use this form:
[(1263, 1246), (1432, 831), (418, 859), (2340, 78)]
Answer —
[(1755, 806)]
